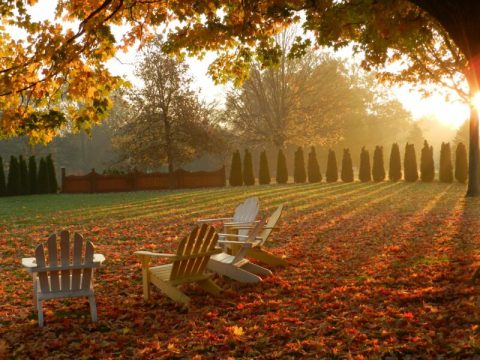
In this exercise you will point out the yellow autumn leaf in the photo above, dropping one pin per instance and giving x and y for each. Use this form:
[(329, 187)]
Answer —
[(236, 330)]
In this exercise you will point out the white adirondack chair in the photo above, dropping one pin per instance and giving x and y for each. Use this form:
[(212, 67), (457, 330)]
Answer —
[(257, 249), (236, 266), (245, 214), (63, 277)]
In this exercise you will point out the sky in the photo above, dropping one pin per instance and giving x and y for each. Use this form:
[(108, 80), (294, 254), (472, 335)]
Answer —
[(448, 113)]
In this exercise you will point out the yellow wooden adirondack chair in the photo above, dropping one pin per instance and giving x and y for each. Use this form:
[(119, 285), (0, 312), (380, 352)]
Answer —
[(257, 250), (63, 277), (189, 264)]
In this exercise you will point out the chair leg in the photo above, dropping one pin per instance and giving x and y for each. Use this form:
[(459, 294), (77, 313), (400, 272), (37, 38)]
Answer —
[(93, 307), (210, 286), (256, 269), (171, 291), (35, 305), (145, 278), (266, 257), (40, 312)]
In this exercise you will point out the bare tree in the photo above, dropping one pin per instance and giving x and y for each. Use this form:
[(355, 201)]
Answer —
[(299, 101)]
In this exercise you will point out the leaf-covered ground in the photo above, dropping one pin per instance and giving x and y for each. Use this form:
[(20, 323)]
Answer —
[(375, 270)]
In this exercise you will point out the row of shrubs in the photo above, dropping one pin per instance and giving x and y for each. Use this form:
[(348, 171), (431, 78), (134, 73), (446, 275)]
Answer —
[(243, 175), (25, 179)]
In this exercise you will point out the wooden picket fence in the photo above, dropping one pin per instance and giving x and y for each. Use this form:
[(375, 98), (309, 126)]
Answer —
[(137, 181)]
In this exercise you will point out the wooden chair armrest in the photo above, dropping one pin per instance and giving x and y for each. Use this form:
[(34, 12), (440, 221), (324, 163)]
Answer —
[(178, 257), (30, 262), (232, 242), (236, 223), (213, 220), (149, 253), (233, 235)]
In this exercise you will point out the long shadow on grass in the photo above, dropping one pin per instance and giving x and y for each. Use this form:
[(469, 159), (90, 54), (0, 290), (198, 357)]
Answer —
[(397, 294)]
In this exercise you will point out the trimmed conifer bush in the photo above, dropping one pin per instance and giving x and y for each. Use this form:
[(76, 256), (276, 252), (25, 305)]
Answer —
[(236, 178), (395, 165), (314, 174), (282, 171), (332, 169), (13, 185), (32, 175), (264, 171), (461, 164), (299, 173), (365, 171), (24, 185), (43, 185), (378, 167), (3, 185), (248, 176), (446, 168), (427, 167), (347, 167), (52, 176), (410, 164)]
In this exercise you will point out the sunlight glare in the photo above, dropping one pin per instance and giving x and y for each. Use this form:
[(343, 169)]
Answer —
[(476, 101)]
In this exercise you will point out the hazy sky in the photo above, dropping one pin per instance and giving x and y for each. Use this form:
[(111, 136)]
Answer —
[(448, 113)]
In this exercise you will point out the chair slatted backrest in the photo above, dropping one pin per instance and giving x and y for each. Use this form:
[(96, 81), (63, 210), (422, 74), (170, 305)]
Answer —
[(247, 211), (64, 274), (272, 222), (252, 238), (199, 243)]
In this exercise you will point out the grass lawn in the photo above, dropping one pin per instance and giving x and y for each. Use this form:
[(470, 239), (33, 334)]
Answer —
[(374, 270)]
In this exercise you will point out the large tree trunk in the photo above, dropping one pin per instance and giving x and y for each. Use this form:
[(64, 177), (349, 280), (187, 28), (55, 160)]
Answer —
[(460, 19), (473, 154), (473, 76), (168, 142)]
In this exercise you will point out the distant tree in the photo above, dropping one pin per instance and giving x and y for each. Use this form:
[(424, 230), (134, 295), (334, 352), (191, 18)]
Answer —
[(13, 185), (264, 171), (248, 176), (164, 122), (462, 135), (32, 175), (365, 172), (395, 166), (236, 178), (410, 164), (52, 176), (279, 105), (3, 185), (314, 174), (43, 185), (299, 173), (282, 171), (427, 167), (378, 168), (24, 185), (461, 164), (415, 136), (347, 166), (332, 169), (446, 168)]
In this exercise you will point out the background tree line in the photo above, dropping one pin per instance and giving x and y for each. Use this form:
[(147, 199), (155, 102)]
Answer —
[(449, 168), (162, 124)]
